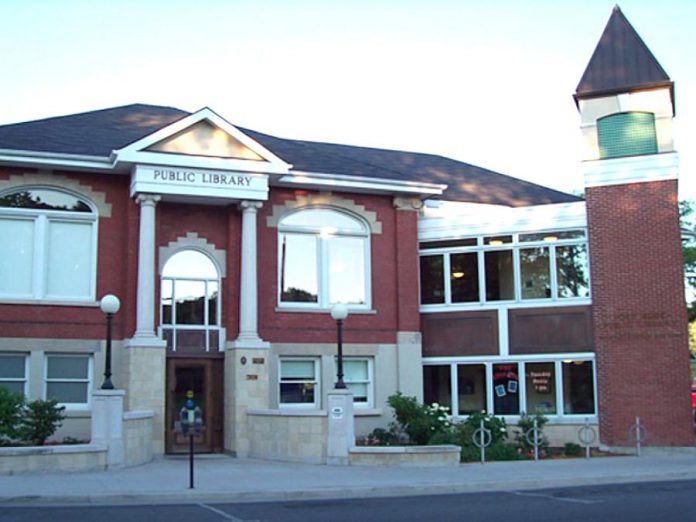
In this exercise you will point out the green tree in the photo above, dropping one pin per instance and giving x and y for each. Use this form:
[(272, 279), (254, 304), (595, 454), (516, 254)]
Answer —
[(687, 222)]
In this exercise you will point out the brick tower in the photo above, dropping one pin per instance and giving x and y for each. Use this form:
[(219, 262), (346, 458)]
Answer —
[(626, 103)]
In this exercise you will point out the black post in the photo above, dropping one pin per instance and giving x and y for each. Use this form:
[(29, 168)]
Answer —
[(107, 385), (340, 385), (191, 458)]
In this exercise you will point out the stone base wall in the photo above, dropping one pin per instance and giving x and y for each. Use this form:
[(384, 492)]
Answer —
[(56, 459), (296, 436), (137, 437), (405, 456)]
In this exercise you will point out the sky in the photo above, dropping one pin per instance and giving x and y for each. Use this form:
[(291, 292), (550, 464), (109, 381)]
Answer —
[(485, 82)]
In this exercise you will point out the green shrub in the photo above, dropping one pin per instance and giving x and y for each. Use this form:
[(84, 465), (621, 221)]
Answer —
[(41, 420), (420, 422), (525, 424), (11, 412), (572, 450), (502, 451)]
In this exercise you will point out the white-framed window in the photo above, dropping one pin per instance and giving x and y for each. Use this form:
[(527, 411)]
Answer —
[(323, 259), (298, 382), (48, 238), (13, 372), (512, 268), (562, 387), (190, 303), (358, 378), (68, 379)]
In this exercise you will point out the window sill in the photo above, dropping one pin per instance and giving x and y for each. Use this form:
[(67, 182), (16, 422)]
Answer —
[(351, 311), (50, 302)]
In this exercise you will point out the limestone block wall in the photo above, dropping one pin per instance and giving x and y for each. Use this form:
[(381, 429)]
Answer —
[(405, 456), (34, 459), (144, 372), (137, 437), (297, 436)]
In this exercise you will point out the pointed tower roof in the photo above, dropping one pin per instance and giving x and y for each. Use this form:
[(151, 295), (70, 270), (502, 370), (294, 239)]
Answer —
[(621, 62)]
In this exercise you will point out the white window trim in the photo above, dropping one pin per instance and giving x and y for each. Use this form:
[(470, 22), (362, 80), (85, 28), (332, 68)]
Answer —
[(322, 261), (89, 380), (370, 380), (560, 417), (24, 379), (41, 220), (515, 246), (317, 384)]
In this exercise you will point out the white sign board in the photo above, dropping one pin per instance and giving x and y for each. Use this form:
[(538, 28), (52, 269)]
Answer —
[(197, 182)]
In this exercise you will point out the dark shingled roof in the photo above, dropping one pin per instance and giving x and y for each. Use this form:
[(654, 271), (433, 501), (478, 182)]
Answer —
[(98, 133), (621, 62)]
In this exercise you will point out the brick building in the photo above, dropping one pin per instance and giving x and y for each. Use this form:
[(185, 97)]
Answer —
[(228, 247)]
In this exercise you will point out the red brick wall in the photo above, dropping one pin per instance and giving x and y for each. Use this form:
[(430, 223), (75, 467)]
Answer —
[(70, 322), (407, 268), (639, 312), (297, 327)]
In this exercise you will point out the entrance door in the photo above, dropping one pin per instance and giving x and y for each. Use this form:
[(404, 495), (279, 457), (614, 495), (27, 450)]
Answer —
[(204, 378)]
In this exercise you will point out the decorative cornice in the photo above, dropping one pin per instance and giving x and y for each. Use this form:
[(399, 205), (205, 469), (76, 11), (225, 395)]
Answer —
[(633, 169)]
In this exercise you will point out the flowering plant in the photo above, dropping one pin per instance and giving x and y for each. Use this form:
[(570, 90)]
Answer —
[(419, 422)]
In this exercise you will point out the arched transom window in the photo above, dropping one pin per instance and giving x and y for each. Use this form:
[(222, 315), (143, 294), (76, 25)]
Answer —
[(323, 258), (48, 240), (190, 304)]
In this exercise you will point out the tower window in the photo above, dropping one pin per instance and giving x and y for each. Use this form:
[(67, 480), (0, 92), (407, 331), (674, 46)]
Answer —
[(626, 134)]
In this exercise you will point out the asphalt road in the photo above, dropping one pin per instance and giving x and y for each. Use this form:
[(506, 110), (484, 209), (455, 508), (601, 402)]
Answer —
[(654, 501)]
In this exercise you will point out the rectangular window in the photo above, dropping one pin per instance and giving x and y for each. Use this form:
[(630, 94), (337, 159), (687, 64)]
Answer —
[(68, 379), (506, 393), (535, 274), (437, 385), (13, 373), (346, 259), (464, 281), (357, 375), (471, 386), (432, 279), (499, 276), (17, 259), (578, 388), (541, 388), (571, 271), (69, 259), (298, 268), (299, 383)]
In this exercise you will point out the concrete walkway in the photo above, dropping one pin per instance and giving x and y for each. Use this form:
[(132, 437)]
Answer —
[(226, 479)]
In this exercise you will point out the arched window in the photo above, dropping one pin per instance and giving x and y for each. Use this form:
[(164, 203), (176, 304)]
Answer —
[(323, 258), (190, 304), (626, 134), (48, 240)]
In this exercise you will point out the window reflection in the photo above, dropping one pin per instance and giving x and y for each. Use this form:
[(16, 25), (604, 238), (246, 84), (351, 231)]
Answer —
[(534, 269)]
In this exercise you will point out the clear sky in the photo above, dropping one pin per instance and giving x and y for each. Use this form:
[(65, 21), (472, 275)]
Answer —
[(486, 82)]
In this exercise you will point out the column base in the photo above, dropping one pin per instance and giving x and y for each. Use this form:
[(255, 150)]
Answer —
[(107, 424), (341, 429), (145, 341), (248, 341)]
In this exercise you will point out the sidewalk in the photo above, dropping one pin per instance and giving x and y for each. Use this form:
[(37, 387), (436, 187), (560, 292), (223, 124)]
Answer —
[(223, 478)]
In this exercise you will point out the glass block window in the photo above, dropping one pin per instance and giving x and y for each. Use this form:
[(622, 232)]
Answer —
[(626, 134)]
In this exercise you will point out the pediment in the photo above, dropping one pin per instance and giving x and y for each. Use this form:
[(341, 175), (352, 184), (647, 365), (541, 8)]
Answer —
[(203, 140)]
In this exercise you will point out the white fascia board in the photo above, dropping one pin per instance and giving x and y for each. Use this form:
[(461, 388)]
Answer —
[(134, 153), (55, 160), (632, 169), (359, 183), (454, 220)]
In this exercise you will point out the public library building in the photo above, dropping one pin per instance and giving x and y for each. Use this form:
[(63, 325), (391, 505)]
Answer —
[(227, 248)]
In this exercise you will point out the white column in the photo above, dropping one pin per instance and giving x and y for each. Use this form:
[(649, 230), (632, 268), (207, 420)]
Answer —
[(248, 300), (145, 319)]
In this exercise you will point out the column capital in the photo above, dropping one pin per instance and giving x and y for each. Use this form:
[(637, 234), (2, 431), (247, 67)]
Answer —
[(146, 200), (250, 206)]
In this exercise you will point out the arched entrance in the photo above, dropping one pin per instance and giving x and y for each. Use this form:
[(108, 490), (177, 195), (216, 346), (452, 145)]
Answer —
[(190, 324)]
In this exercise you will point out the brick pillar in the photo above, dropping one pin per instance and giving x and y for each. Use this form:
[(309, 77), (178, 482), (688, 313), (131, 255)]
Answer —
[(639, 312)]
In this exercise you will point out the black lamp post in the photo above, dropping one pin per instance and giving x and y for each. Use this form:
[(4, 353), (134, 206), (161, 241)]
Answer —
[(109, 304), (339, 312)]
